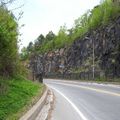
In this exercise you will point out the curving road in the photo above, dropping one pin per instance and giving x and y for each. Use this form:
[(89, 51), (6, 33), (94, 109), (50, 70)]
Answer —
[(84, 101)]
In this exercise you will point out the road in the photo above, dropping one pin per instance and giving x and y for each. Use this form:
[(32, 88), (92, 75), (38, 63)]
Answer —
[(84, 101)]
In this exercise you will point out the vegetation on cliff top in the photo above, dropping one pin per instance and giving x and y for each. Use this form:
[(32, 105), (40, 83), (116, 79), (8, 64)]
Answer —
[(99, 16)]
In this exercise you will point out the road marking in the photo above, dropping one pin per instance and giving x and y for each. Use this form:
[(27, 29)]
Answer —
[(73, 105), (89, 83), (93, 89)]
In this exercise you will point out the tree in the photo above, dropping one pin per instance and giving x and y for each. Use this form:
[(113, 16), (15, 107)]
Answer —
[(8, 43), (62, 37), (41, 39), (81, 25), (50, 36), (30, 47), (24, 54), (3, 2), (39, 42)]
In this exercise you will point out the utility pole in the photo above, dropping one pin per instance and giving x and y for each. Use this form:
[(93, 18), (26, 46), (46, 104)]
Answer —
[(93, 57)]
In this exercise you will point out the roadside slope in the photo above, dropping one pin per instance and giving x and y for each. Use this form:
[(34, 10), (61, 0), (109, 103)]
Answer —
[(17, 95)]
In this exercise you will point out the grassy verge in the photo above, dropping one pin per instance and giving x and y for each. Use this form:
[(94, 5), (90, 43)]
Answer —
[(16, 96)]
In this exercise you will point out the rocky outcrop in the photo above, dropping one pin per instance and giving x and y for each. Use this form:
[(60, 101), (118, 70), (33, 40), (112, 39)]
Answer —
[(55, 61), (105, 43), (99, 48)]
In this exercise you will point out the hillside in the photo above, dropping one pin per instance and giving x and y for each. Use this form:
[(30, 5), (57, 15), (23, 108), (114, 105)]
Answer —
[(16, 96), (89, 50), (100, 15), (77, 61)]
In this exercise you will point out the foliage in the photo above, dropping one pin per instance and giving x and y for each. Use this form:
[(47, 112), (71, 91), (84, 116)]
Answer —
[(8, 42), (103, 14), (24, 55), (61, 37), (99, 16), (18, 95)]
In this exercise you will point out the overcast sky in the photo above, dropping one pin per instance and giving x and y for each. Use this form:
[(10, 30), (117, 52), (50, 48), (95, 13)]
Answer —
[(41, 16)]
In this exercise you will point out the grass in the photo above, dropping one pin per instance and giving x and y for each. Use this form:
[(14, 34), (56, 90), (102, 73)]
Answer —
[(17, 93)]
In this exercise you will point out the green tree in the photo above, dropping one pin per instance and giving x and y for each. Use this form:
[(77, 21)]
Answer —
[(62, 37), (8, 42), (50, 36), (24, 54), (30, 47), (39, 42), (41, 39)]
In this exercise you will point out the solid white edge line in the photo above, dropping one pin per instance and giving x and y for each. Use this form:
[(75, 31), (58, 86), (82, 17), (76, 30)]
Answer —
[(73, 105), (89, 88), (89, 83)]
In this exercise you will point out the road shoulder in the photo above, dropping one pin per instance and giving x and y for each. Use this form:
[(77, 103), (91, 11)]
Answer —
[(40, 109)]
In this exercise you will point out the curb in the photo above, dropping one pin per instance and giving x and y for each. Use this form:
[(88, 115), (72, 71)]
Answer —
[(33, 112), (46, 111)]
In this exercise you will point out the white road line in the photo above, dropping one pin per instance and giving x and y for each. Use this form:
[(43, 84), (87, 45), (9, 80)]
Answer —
[(73, 105), (89, 83), (90, 88)]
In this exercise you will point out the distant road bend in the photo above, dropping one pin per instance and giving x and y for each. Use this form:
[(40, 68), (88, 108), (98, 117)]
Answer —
[(84, 101)]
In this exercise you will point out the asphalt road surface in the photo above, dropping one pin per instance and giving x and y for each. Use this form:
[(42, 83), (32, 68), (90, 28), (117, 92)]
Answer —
[(84, 101)]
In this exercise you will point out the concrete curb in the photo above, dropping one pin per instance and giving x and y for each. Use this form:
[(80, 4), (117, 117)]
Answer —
[(33, 112), (46, 111)]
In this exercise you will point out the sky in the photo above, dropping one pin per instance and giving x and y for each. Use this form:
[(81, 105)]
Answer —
[(42, 16)]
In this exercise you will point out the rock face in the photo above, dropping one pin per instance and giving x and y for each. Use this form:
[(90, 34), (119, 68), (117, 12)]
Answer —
[(55, 61), (104, 43), (37, 67), (98, 49)]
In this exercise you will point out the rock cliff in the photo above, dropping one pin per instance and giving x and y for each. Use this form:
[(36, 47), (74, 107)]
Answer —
[(98, 49)]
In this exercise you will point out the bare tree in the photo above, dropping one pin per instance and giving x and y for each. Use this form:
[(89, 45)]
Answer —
[(4, 2)]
